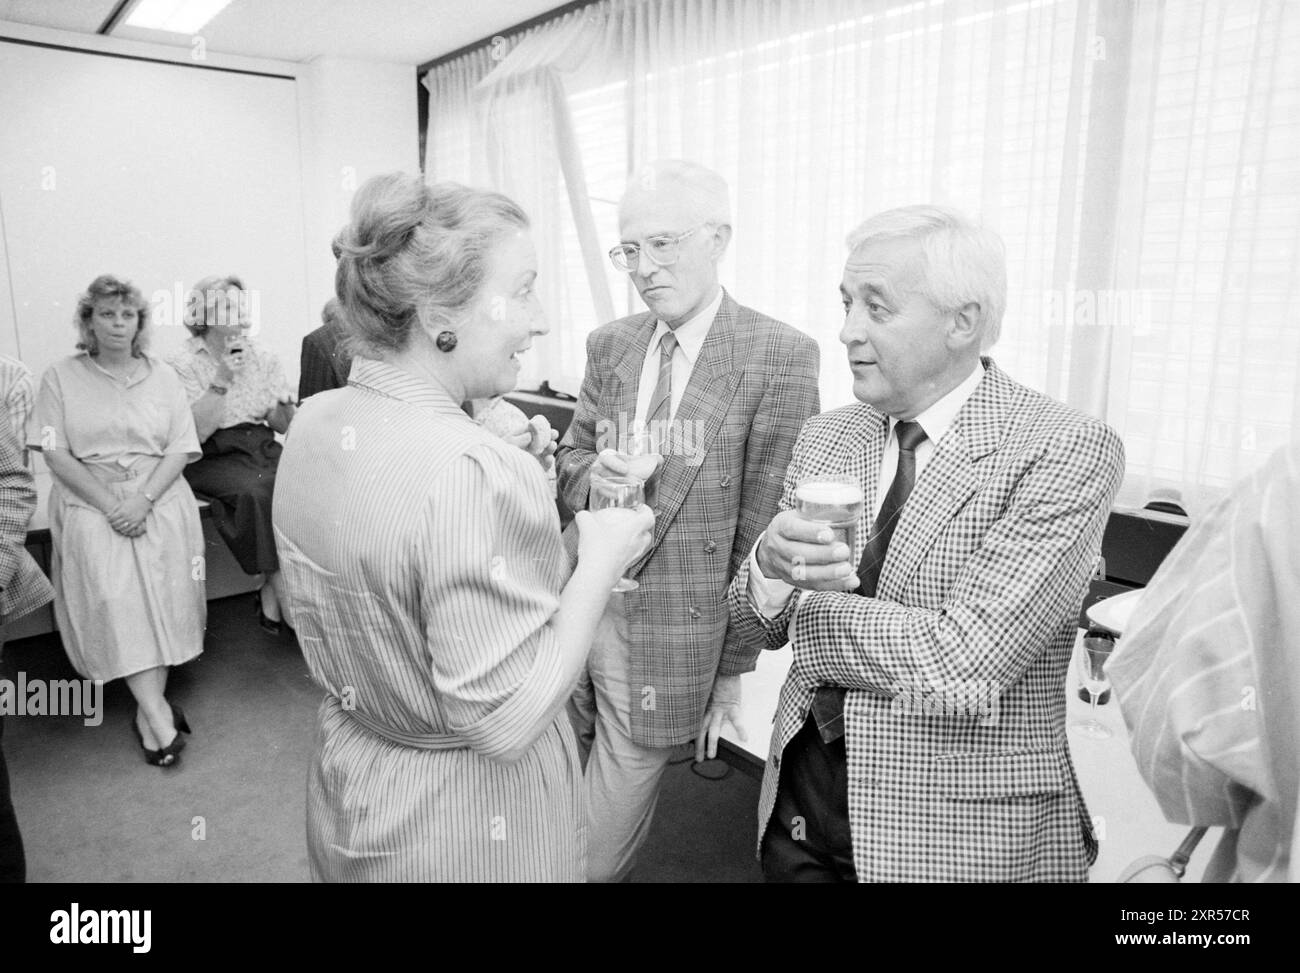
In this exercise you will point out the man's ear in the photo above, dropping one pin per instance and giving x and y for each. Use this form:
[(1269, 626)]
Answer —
[(720, 239), (965, 328)]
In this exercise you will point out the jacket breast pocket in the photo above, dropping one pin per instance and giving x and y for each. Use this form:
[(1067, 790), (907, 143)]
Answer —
[(985, 776)]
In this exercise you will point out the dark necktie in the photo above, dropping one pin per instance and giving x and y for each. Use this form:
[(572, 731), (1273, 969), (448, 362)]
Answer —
[(828, 703)]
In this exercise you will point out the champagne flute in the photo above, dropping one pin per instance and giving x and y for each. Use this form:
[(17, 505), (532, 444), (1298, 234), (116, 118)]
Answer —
[(627, 492), (1092, 673), (641, 447)]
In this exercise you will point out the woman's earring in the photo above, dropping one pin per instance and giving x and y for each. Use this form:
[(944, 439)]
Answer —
[(446, 340)]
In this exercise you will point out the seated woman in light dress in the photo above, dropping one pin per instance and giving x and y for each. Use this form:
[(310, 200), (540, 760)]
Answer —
[(115, 430), (423, 565), (239, 395)]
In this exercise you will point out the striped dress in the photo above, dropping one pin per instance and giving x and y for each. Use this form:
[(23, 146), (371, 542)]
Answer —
[(1208, 676), (423, 565)]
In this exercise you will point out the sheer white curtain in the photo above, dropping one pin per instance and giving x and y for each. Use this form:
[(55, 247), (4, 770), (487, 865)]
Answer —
[(503, 117), (1136, 157), (454, 147), (1206, 384)]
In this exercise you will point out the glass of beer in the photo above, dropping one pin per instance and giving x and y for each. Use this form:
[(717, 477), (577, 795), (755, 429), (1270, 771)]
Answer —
[(627, 492), (834, 499)]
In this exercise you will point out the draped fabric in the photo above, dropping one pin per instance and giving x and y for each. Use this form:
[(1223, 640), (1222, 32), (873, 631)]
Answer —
[(1138, 157)]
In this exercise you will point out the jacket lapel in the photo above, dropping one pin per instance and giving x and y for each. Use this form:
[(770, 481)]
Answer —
[(620, 404), (858, 455), (700, 415), (949, 480)]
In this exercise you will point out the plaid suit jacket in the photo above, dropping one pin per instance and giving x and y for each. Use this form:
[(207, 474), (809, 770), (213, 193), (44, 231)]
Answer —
[(753, 386), (959, 769), (23, 586)]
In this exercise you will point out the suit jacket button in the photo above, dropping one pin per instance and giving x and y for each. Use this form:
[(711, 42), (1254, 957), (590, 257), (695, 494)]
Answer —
[(710, 547), (695, 613), (776, 761), (725, 481)]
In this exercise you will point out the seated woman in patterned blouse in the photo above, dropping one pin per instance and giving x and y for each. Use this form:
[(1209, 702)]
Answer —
[(240, 400)]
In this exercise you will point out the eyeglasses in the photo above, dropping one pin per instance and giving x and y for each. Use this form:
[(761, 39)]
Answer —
[(661, 250)]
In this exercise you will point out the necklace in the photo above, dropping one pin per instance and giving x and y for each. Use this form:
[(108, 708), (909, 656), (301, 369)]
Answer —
[(122, 372)]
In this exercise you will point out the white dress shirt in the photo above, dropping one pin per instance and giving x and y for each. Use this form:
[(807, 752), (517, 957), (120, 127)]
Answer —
[(770, 595), (690, 338)]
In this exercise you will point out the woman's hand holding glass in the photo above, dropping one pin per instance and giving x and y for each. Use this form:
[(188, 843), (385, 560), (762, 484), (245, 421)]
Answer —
[(281, 411), (615, 537)]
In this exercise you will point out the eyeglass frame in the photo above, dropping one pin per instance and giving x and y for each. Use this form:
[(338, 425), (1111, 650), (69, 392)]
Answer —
[(677, 239)]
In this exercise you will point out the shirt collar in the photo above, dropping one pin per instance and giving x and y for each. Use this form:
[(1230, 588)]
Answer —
[(690, 336), (938, 419), (397, 383), (139, 375)]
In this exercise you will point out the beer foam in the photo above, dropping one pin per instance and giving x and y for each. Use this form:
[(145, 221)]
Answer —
[(835, 494)]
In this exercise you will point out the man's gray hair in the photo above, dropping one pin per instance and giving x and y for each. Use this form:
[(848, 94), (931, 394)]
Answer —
[(704, 190), (964, 261)]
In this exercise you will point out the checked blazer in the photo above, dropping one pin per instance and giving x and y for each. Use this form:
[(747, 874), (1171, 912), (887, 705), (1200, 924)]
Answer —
[(23, 585), (958, 764), (753, 385)]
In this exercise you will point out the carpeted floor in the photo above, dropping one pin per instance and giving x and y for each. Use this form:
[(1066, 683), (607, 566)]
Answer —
[(92, 810)]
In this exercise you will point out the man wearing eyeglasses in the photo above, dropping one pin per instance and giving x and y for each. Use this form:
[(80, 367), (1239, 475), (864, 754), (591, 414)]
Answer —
[(724, 391)]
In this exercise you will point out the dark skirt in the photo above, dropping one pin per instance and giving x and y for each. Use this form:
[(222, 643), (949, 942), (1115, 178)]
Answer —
[(237, 474)]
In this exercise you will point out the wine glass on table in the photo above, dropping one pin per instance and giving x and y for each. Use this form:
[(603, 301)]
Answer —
[(1092, 674), (611, 490)]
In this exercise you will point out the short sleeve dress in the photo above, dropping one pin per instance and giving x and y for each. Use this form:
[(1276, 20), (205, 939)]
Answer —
[(123, 604)]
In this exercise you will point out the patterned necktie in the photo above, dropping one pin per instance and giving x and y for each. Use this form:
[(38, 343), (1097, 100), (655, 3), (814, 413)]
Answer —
[(661, 402), (828, 703)]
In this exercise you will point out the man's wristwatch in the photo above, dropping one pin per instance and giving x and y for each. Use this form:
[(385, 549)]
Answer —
[(219, 389)]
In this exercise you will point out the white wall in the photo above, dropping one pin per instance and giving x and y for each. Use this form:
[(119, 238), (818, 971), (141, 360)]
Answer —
[(166, 172), (358, 120), (160, 173)]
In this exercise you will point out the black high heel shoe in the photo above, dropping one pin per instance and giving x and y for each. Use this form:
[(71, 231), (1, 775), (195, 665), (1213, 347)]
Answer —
[(268, 625), (169, 755)]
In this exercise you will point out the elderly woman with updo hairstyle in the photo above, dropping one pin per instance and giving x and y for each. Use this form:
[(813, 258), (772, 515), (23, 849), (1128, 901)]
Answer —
[(115, 429), (240, 399), (423, 563)]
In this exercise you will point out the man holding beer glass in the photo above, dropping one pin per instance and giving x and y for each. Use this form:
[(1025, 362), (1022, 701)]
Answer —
[(928, 565), (701, 401)]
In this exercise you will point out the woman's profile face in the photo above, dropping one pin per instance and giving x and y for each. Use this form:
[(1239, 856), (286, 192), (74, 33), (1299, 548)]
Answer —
[(114, 323), (503, 319)]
